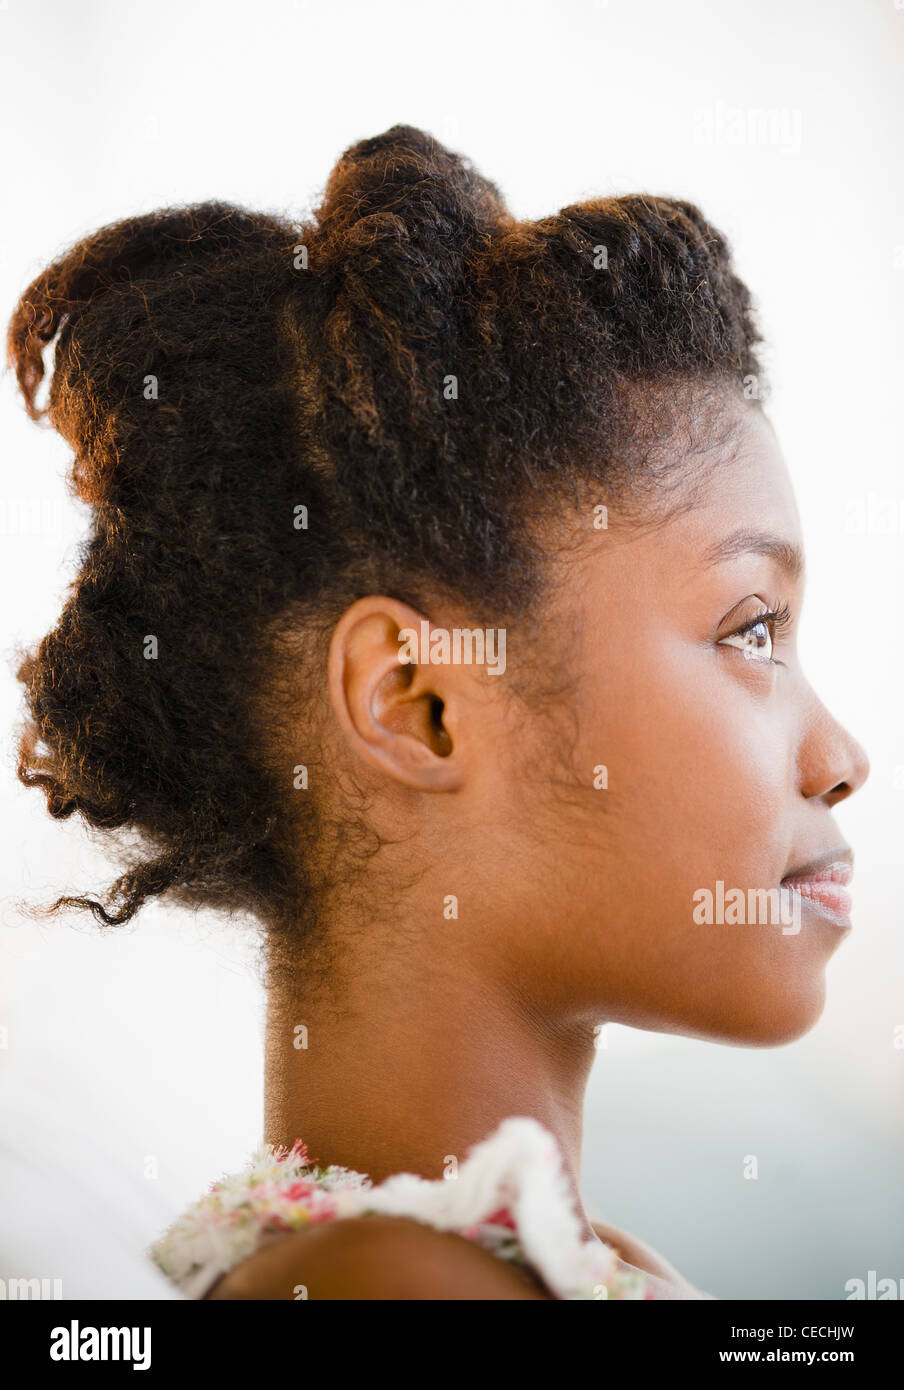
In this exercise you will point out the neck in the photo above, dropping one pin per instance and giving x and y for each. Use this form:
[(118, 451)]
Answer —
[(405, 1070)]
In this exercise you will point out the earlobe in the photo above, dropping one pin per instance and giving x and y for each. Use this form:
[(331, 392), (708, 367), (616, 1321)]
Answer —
[(393, 714)]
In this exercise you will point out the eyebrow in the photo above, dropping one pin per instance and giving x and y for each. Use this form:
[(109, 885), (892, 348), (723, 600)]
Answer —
[(788, 556)]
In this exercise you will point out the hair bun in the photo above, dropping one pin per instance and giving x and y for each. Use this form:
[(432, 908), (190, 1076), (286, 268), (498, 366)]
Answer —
[(399, 229), (403, 186)]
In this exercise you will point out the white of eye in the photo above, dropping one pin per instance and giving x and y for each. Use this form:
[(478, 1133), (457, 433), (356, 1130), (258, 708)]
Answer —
[(755, 642)]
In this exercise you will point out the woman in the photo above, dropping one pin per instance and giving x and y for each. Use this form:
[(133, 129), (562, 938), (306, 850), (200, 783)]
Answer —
[(439, 611)]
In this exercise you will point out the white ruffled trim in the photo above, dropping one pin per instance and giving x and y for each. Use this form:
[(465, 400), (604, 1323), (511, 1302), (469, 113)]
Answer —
[(518, 1167)]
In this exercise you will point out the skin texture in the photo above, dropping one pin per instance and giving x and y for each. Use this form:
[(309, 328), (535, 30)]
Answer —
[(574, 904)]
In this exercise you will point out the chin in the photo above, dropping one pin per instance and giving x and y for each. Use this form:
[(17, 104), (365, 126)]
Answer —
[(784, 1017)]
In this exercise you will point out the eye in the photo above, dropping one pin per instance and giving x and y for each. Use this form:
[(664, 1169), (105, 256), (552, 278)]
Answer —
[(756, 639)]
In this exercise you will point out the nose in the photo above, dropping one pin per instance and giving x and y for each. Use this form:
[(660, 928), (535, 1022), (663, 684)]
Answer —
[(833, 765)]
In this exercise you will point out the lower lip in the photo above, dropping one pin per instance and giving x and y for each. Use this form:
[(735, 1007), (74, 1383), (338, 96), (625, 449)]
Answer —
[(830, 899)]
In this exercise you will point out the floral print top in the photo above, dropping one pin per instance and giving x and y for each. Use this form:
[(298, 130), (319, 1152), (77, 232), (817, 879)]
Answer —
[(510, 1195)]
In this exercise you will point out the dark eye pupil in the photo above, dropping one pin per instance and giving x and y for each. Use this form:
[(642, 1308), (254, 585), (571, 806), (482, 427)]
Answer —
[(761, 632)]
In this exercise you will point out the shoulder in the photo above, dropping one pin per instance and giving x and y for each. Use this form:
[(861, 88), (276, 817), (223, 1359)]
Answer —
[(375, 1257), (642, 1256)]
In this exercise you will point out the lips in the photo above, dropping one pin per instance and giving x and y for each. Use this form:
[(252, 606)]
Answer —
[(825, 887)]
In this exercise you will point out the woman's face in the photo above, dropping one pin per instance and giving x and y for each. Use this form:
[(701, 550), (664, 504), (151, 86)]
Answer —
[(721, 764), (596, 843)]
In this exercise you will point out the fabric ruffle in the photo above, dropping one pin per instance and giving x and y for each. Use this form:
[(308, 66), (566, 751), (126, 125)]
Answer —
[(510, 1195)]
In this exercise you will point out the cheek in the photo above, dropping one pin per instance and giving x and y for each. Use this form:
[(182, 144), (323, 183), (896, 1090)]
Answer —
[(700, 766), (701, 789)]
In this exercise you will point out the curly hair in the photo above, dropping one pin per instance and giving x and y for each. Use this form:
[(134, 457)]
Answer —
[(272, 418)]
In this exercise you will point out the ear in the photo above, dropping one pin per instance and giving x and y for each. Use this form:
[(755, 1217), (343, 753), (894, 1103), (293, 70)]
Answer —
[(393, 714)]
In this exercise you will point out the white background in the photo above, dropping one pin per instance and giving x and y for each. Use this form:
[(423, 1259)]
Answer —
[(147, 1043)]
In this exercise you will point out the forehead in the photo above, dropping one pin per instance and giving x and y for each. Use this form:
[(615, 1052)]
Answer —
[(720, 508), (745, 502), (728, 496)]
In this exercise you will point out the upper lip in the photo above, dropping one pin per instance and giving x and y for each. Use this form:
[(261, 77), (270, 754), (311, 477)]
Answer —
[(836, 866)]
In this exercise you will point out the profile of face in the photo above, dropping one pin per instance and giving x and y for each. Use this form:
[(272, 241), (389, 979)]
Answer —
[(683, 749)]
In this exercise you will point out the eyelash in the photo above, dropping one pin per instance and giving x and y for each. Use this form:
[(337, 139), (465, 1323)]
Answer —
[(779, 616)]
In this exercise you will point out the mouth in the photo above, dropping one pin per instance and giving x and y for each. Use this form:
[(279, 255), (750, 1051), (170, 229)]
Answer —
[(823, 883)]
